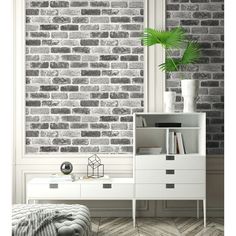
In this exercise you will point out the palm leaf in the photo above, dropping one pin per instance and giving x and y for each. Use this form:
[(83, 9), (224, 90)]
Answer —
[(175, 38), (191, 53), (150, 37), (168, 39), (170, 65), (172, 39)]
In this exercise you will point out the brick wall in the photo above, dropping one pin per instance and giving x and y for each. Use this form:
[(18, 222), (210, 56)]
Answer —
[(204, 21), (84, 75)]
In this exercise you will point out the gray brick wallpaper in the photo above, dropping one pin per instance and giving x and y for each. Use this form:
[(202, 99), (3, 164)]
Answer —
[(84, 72), (84, 75), (204, 21)]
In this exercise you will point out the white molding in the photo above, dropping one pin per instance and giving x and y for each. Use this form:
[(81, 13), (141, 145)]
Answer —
[(81, 159), (154, 79), (19, 76), (166, 211), (116, 163)]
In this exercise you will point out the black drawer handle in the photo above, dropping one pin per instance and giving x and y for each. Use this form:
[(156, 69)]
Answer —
[(107, 186), (170, 172), (170, 186), (170, 158), (53, 185)]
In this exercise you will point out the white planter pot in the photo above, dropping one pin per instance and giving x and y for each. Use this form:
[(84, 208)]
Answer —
[(169, 101), (190, 94)]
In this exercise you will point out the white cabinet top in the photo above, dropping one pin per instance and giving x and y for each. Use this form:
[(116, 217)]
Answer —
[(47, 180)]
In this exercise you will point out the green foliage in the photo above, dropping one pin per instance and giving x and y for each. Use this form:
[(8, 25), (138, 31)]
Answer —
[(171, 64), (191, 53), (169, 40)]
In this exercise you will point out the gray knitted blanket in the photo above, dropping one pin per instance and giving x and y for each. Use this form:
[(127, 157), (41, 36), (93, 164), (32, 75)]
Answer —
[(40, 223)]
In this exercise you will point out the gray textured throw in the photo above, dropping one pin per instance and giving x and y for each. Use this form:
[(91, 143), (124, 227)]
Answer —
[(40, 223)]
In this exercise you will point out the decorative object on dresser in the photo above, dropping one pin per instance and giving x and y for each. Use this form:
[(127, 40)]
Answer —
[(75, 176), (169, 175), (169, 101), (95, 166), (170, 40), (190, 94), (66, 168)]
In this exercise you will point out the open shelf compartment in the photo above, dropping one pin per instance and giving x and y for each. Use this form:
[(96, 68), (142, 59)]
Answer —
[(192, 131), (155, 138), (191, 120), (190, 140)]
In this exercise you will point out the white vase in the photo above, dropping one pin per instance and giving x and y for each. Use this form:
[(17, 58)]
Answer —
[(190, 94), (169, 101)]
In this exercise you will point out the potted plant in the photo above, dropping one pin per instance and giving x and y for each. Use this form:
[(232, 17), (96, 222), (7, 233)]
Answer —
[(176, 39)]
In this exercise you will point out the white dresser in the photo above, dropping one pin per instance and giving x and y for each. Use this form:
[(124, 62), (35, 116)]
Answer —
[(92, 189), (162, 176), (166, 176)]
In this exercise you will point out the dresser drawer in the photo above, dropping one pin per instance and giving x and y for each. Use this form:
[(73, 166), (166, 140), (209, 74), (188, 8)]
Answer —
[(107, 191), (170, 191), (170, 176), (170, 162), (54, 190)]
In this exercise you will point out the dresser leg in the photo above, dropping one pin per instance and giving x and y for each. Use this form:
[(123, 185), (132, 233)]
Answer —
[(204, 212), (134, 211), (197, 209)]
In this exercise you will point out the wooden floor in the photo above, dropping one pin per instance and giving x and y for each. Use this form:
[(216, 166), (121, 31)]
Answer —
[(157, 226)]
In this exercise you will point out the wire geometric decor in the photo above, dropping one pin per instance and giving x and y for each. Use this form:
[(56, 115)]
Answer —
[(94, 168)]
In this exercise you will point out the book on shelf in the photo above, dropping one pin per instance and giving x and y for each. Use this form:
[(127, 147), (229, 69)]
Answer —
[(168, 124), (176, 143), (144, 122), (172, 142), (141, 121), (180, 143)]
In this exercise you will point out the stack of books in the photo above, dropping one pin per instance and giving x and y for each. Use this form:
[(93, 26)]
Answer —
[(149, 150), (176, 143), (141, 121)]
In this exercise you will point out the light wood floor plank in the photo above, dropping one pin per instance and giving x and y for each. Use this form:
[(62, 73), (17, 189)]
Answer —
[(95, 226), (194, 227), (157, 227), (117, 226)]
